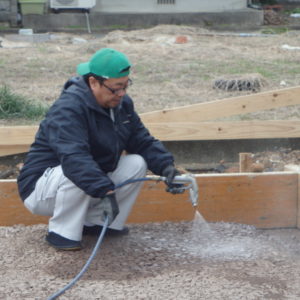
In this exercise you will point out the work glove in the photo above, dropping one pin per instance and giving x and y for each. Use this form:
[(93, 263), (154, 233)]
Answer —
[(170, 172), (109, 207)]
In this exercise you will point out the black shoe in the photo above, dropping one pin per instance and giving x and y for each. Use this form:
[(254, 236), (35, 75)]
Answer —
[(96, 230), (59, 242)]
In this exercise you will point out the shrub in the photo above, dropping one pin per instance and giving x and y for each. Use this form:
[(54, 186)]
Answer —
[(14, 106)]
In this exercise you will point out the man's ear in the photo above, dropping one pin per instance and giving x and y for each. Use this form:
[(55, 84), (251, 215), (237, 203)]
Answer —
[(93, 82)]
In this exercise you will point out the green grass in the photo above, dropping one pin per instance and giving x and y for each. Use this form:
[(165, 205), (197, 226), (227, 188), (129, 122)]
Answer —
[(14, 106), (296, 10), (118, 26), (274, 30)]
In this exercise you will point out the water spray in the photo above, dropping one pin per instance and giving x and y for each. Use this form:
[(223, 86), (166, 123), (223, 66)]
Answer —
[(183, 179)]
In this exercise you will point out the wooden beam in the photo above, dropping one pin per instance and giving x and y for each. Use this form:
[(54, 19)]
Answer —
[(245, 162), (265, 200), (227, 107), (17, 135), (295, 168), (18, 139), (298, 202), (185, 131), (13, 149), (12, 210)]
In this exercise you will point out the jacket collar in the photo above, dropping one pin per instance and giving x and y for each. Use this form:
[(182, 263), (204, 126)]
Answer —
[(77, 85)]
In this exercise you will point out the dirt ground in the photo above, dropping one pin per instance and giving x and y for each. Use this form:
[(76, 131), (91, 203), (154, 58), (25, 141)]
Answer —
[(168, 70), (185, 260)]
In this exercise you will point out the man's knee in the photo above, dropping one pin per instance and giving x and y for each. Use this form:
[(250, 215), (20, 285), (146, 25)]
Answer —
[(138, 163)]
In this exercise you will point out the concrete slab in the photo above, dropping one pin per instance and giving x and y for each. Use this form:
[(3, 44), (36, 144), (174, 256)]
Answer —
[(29, 38)]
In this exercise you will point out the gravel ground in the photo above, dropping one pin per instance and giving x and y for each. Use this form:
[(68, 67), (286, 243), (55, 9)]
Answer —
[(186, 260)]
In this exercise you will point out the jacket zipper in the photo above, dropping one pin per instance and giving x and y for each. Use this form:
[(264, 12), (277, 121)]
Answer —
[(112, 116)]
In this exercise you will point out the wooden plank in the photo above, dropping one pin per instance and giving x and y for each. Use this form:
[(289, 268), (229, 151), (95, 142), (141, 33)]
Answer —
[(295, 168), (226, 107), (267, 200), (12, 210), (263, 200), (245, 162), (185, 131), (17, 135), (298, 203), (13, 149), (18, 139)]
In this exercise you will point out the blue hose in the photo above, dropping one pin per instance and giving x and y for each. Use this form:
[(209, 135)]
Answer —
[(97, 246), (87, 264)]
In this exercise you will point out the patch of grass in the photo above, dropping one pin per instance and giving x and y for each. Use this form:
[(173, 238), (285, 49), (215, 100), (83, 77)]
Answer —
[(14, 106), (274, 30), (75, 27), (117, 26), (34, 63), (3, 27), (296, 10), (43, 49), (267, 70)]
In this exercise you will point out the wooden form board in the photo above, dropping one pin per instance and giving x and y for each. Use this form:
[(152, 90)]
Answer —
[(213, 110), (18, 139), (267, 200), (187, 122), (295, 168), (184, 131)]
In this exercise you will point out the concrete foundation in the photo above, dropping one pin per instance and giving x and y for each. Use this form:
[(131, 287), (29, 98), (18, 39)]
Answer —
[(237, 19)]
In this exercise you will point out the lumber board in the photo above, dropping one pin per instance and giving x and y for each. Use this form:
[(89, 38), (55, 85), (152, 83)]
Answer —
[(295, 168), (298, 203), (13, 149), (17, 135), (263, 200), (12, 210), (267, 200), (213, 110), (184, 131), (17, 139)]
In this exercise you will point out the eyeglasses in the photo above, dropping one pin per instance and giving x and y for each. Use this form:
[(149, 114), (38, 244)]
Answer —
[(118, 91)]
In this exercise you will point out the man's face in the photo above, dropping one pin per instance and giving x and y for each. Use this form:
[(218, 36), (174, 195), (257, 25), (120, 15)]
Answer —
[(110, 92)]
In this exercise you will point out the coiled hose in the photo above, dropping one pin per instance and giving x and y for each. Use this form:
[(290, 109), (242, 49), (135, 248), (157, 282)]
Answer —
[(97, 246)]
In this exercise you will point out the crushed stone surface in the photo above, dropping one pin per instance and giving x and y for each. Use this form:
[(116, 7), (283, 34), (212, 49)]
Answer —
[(184, 260)]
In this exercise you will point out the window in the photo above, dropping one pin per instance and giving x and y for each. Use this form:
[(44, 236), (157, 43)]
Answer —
[(165, 1)]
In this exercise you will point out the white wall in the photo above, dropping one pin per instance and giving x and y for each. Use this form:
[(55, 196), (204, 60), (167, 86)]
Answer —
[(151, 6)]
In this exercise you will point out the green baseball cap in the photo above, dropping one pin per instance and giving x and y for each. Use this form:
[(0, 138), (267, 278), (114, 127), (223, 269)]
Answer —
[(107, 63)]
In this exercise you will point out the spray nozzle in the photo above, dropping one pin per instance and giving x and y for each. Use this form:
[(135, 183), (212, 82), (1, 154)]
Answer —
[(192, 187), (183, 179)]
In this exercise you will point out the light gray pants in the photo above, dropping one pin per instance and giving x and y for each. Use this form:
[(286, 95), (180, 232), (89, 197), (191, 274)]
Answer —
[(70, 207)]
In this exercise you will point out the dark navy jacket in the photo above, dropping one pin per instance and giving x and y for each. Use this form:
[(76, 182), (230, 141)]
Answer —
[(80, 136)]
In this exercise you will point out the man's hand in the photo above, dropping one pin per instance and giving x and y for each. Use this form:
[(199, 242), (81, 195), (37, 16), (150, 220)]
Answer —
[(109, 207), (170, 172)]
